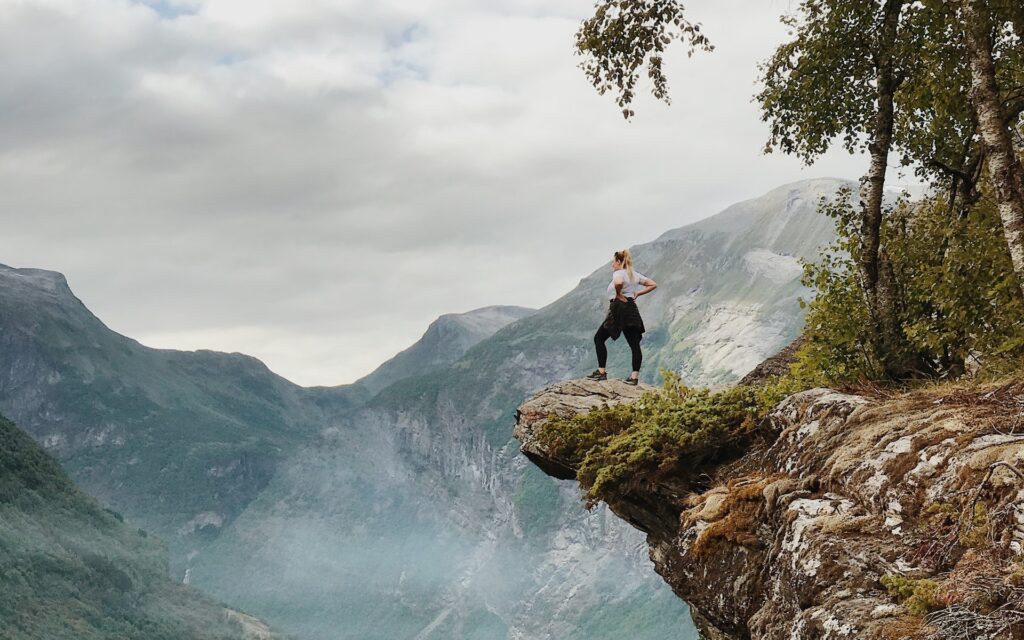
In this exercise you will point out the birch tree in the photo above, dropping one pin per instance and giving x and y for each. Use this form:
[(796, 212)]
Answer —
[(985, 34), (838, 77), (935, 129)]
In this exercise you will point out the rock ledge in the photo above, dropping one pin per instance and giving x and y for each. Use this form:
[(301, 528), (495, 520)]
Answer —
[(566, 399), (792, 543)]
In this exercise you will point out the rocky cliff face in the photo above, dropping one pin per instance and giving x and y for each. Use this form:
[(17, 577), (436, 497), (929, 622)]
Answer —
[(856, 515)]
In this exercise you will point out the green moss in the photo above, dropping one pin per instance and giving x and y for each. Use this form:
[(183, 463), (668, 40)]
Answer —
[(942, 509), (1016, 577), (674, 430)]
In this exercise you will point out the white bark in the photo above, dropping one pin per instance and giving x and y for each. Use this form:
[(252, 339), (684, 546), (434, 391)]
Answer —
[(1003, 163)]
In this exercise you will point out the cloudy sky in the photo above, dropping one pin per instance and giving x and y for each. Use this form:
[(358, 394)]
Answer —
[(313, 181)]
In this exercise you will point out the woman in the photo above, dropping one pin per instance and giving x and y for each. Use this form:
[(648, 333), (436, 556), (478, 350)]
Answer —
[(623, 315)]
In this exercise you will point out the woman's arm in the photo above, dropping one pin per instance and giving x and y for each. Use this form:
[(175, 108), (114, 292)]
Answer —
[(651, 286), (618, 282)]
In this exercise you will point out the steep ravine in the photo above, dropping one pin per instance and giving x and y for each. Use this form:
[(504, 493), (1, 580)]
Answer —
[(792, 541)]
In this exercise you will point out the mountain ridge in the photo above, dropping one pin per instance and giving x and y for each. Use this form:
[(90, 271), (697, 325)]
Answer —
[(446, 339)]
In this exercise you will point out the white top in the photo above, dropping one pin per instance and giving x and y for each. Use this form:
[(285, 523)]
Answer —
[(629, 289)]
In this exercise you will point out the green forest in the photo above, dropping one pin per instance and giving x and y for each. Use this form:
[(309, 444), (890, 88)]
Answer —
[(72, 569)]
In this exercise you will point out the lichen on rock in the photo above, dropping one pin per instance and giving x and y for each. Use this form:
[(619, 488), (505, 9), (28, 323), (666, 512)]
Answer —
[(844, 497)]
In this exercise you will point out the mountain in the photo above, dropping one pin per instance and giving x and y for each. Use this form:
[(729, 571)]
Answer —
[(407, 512), (179, 441), (444, 342), (69, 568), (512, 551)]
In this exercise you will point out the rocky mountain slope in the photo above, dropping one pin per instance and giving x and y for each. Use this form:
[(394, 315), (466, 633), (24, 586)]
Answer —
[(179, 441), (859, 515), (69, 568), (405, 513)]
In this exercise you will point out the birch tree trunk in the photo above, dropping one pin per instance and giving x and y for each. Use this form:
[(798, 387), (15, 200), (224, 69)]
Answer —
[(876, 280), (1003, 163)]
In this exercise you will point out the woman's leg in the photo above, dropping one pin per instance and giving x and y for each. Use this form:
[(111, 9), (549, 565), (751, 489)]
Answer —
[(602, 351), (633, 337)]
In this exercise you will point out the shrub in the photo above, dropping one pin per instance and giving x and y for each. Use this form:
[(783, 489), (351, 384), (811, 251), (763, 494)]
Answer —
[(918, 596), (956, 295)]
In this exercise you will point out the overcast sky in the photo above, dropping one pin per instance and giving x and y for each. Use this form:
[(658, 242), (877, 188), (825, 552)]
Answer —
[(312, 182)]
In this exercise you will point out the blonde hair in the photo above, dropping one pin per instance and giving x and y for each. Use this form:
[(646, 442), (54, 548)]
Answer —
[(627, 262)]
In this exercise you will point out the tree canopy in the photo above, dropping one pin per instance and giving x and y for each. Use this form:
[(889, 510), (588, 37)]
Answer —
[(936, 84)]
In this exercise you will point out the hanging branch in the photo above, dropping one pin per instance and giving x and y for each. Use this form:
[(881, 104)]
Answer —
[(624, 35)]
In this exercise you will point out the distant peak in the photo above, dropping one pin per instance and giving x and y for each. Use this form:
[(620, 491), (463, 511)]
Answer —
[(782, 202), (485, 319), (492, 309), (446, 340), (815, 184), (37, 279)]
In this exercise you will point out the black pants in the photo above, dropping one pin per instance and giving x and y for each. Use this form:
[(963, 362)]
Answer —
[(633, 336)]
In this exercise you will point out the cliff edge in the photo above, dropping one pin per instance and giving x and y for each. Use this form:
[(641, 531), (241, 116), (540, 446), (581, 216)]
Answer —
[(855, 517)]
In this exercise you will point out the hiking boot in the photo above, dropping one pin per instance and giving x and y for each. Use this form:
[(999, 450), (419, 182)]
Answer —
[(632, 381), (597, 375)]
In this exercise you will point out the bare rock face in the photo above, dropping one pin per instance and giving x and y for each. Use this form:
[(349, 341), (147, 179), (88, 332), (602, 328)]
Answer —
[(566, 399), (792, 542), (775, 366)]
